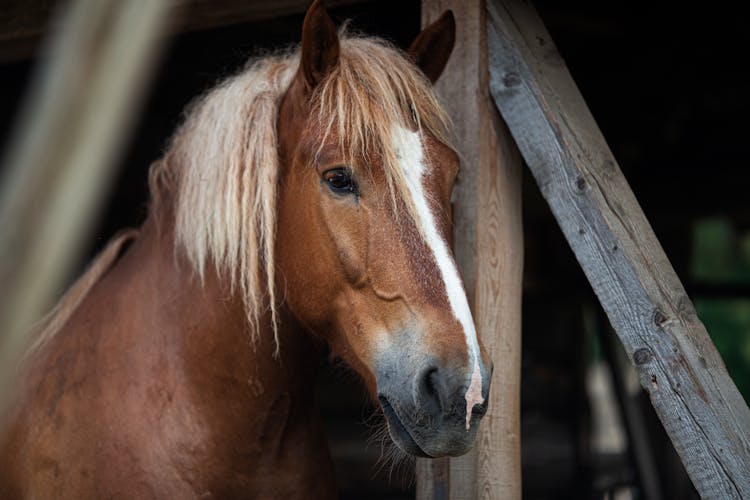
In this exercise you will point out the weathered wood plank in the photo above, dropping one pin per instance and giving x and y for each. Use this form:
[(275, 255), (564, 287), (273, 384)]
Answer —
[(489, 251), (701, 409)]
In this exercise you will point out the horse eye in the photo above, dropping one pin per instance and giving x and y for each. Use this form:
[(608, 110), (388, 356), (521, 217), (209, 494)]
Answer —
[(340, 181)]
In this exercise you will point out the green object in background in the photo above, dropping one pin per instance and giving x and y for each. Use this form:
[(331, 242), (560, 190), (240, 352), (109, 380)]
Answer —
[(721, 255), (728, 323)]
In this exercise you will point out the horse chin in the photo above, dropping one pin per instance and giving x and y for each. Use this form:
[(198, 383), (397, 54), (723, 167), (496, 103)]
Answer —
[(398, 431)]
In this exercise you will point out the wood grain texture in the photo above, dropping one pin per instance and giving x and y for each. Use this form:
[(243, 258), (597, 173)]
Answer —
[(498, 307), (489, 251), (701, 409)]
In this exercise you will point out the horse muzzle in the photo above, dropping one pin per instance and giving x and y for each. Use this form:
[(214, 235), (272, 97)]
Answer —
[(424, 403)]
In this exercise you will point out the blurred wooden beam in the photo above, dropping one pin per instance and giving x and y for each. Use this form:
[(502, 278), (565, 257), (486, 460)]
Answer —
[(60, 160), (24, 22)]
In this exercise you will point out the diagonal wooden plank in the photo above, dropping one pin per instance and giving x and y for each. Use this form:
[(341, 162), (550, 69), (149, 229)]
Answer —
[(697, 402)]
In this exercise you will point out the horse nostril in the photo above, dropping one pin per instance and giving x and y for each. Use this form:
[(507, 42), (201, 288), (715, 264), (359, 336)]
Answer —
[(429, 391), (479, 410)]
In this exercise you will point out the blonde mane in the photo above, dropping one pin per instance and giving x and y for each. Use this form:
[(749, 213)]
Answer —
[(223, 161)]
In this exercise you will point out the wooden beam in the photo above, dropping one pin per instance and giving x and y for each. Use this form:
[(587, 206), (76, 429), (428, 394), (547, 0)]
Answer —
[(204, 14), (701, 409), (24, 22), (61, 157), (489, 251)]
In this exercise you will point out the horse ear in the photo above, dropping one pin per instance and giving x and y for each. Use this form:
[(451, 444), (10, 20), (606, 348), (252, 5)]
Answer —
[(320, 44), (433, 46)]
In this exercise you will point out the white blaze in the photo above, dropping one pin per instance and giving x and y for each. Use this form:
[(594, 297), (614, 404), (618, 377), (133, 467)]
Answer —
[(408, 148)]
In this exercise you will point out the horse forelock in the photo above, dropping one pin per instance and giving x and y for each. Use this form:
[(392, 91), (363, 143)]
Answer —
[(374, 88), (222, 165)]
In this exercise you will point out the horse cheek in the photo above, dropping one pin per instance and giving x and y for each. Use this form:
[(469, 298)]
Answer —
[(349, 234)]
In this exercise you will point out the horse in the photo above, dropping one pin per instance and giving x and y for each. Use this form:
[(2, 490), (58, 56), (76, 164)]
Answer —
[(304, 204)]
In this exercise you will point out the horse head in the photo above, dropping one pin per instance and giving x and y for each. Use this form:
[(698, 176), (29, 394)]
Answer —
[(363, 245)]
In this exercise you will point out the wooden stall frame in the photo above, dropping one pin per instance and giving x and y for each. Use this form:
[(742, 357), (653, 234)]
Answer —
[(684, 375), (516, 63)]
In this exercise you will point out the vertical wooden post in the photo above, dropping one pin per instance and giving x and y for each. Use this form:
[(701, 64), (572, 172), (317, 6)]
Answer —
[(489, 251)]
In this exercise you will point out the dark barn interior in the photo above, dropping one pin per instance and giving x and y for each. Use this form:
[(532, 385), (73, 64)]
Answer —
[(669, 90)]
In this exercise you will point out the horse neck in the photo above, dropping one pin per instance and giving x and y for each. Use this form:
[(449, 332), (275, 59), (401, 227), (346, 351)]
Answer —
[(220, 361)]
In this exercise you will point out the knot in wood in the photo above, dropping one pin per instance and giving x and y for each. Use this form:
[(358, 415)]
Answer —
[(659, 318), (511, 79), (581, 183), (642, 356)]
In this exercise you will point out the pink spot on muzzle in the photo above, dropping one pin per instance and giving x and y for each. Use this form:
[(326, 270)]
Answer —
[(473, 393)]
